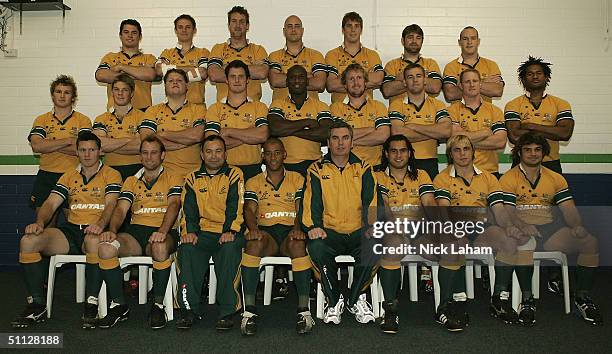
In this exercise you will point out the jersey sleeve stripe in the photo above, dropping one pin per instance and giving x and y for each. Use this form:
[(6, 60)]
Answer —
[(511, 115), (450, 80), (261, 121), (442, 194)]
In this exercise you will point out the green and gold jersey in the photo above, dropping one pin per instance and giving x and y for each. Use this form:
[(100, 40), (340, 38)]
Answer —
[(150, 202), (223, 54), (48, 126), (338, 59), (486, 116), (194, 57), (213, 202), (430, 112), (249, 114), (299, 149), (395, 68), (86, 199), (534, 202), (486, 67), (114, 128), (308, 58), (405, 196), (551, 110), (275, 204), (142, 93)]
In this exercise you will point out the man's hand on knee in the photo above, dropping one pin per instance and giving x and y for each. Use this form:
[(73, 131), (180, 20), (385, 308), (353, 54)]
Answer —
[(296, 234), (189, 238), (256, 234), (108, 236), (317, 233), (157, 236), (94, 229), (34, 229), (227, 237)]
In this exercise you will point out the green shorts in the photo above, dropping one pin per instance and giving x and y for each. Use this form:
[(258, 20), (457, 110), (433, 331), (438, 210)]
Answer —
[(127, 170), (141, 234), (43, 184), (300, 167), (428, 165), (546, 231), (278, 232), (75, 234)]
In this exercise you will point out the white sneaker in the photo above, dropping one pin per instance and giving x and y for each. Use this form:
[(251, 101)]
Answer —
[(362, 310), (334, 314)]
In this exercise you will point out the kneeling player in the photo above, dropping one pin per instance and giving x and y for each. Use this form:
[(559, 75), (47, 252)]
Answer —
[(91, 192), (531, 191), (270, 208), (153, 196)]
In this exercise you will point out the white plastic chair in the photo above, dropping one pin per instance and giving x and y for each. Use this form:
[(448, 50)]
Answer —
[(487, 259), (58, 261), (268, 263)]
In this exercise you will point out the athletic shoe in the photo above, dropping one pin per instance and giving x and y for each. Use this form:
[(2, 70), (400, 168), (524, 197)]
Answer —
[(116, 313), (248, 325), (186, 320), (157, 317), (280, 289), (527, 311), (555, 286), (501, 308), (90, 313), (304, 322), (390, 322), (447, 318), (224, 324), (33, 313), (362, 310), (459, 308), (588, 310), (333, 314)]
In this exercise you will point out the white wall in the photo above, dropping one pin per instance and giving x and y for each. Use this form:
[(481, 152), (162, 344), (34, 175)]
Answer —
[(568, 33)]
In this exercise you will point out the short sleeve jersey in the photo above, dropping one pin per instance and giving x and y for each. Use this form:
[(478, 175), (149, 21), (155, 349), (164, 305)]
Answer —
[(194, 57), (395, 68), (486, 67), (249, 114), (372, 114), (430, 112), (338, 59), (534, 201), (142, 92), (275, 204), (405, 196), (85, 199), (117, 129), (299, 149), (308, 58), (48, 126), (149, 202), (486, 116), (161, 118), (551, 110), (223, 53)]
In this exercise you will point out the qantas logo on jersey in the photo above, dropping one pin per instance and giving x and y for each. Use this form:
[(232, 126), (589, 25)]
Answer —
[(150, 210), (280, 214), (87, 206)]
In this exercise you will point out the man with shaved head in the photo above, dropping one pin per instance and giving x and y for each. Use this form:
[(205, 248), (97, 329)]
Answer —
[(295, 53)]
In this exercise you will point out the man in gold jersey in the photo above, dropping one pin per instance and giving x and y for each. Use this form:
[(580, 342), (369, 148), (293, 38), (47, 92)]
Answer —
[(53, 136), (367, 116), (480, 121), (539, 112), (179, 123), (469, 194), (90, 190), (406, 190), (490, 75), (352, 52), (238, 47), (271, 204), (132, 61), (187, 57), (295, 53), (119, 129), (301, 122), (241, 122), (394, 86), (531, 192), (421, 118)]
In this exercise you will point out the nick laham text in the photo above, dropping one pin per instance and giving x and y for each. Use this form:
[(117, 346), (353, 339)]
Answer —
[(423, 250)]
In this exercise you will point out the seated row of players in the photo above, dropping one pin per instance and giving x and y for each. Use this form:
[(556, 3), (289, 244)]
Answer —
[(329, 214)]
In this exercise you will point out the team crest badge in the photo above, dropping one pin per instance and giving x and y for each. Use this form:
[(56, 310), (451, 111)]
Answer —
[(96, 192), (429, 118), (290, 197), (247, 117), (372, 117), (263, 196), (185, 123), (74, 131), (548, 117), (414, 192), (159, 196), (132, 129)]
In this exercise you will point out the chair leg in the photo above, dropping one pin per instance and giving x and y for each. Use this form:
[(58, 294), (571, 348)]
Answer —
[(168, 303), (174, 280), (80, 282), (269, 280), (402, 270), (566, 287), (51, 285), (290, 275), (436, 284), (492, 276), (477, 271), (102, 305), (375, 296), (469, 279), (212, 285), (350, 275), (413, 282), (535, 280), (143, 280), (320, 301), (516, 292), (150, 280)]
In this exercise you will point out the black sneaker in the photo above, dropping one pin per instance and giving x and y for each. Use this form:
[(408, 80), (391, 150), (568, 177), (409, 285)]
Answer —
[(447, 318), (224, 324), (459, 308), (280, 289), (157, 317), (90, 316), (588, 310), (116, 313), (248, 325), (186, 320), (501, 308), (527, 312), (390, 323), (33, 313), (555, 286), (305, 322)]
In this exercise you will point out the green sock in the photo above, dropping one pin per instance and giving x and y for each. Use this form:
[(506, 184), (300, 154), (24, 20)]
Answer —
[(34, 278), (524, 274), (584, 280), (160, 282), (114, 284), (93, 280), (446, 279), (503, 276), (390, 281), (302, 286), (250, 278)]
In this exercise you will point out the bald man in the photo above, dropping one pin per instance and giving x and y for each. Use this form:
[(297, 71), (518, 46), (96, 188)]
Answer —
[(295, 53)]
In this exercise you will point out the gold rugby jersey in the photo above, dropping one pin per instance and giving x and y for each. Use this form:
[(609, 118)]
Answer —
[(338, 59), (275, 204), (486, 67), (308, 58), (194, 57), (395, 68), (116, 129), (405, 196)]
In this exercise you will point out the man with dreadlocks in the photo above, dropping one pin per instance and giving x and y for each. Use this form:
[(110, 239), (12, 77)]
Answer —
[(539, 112)]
